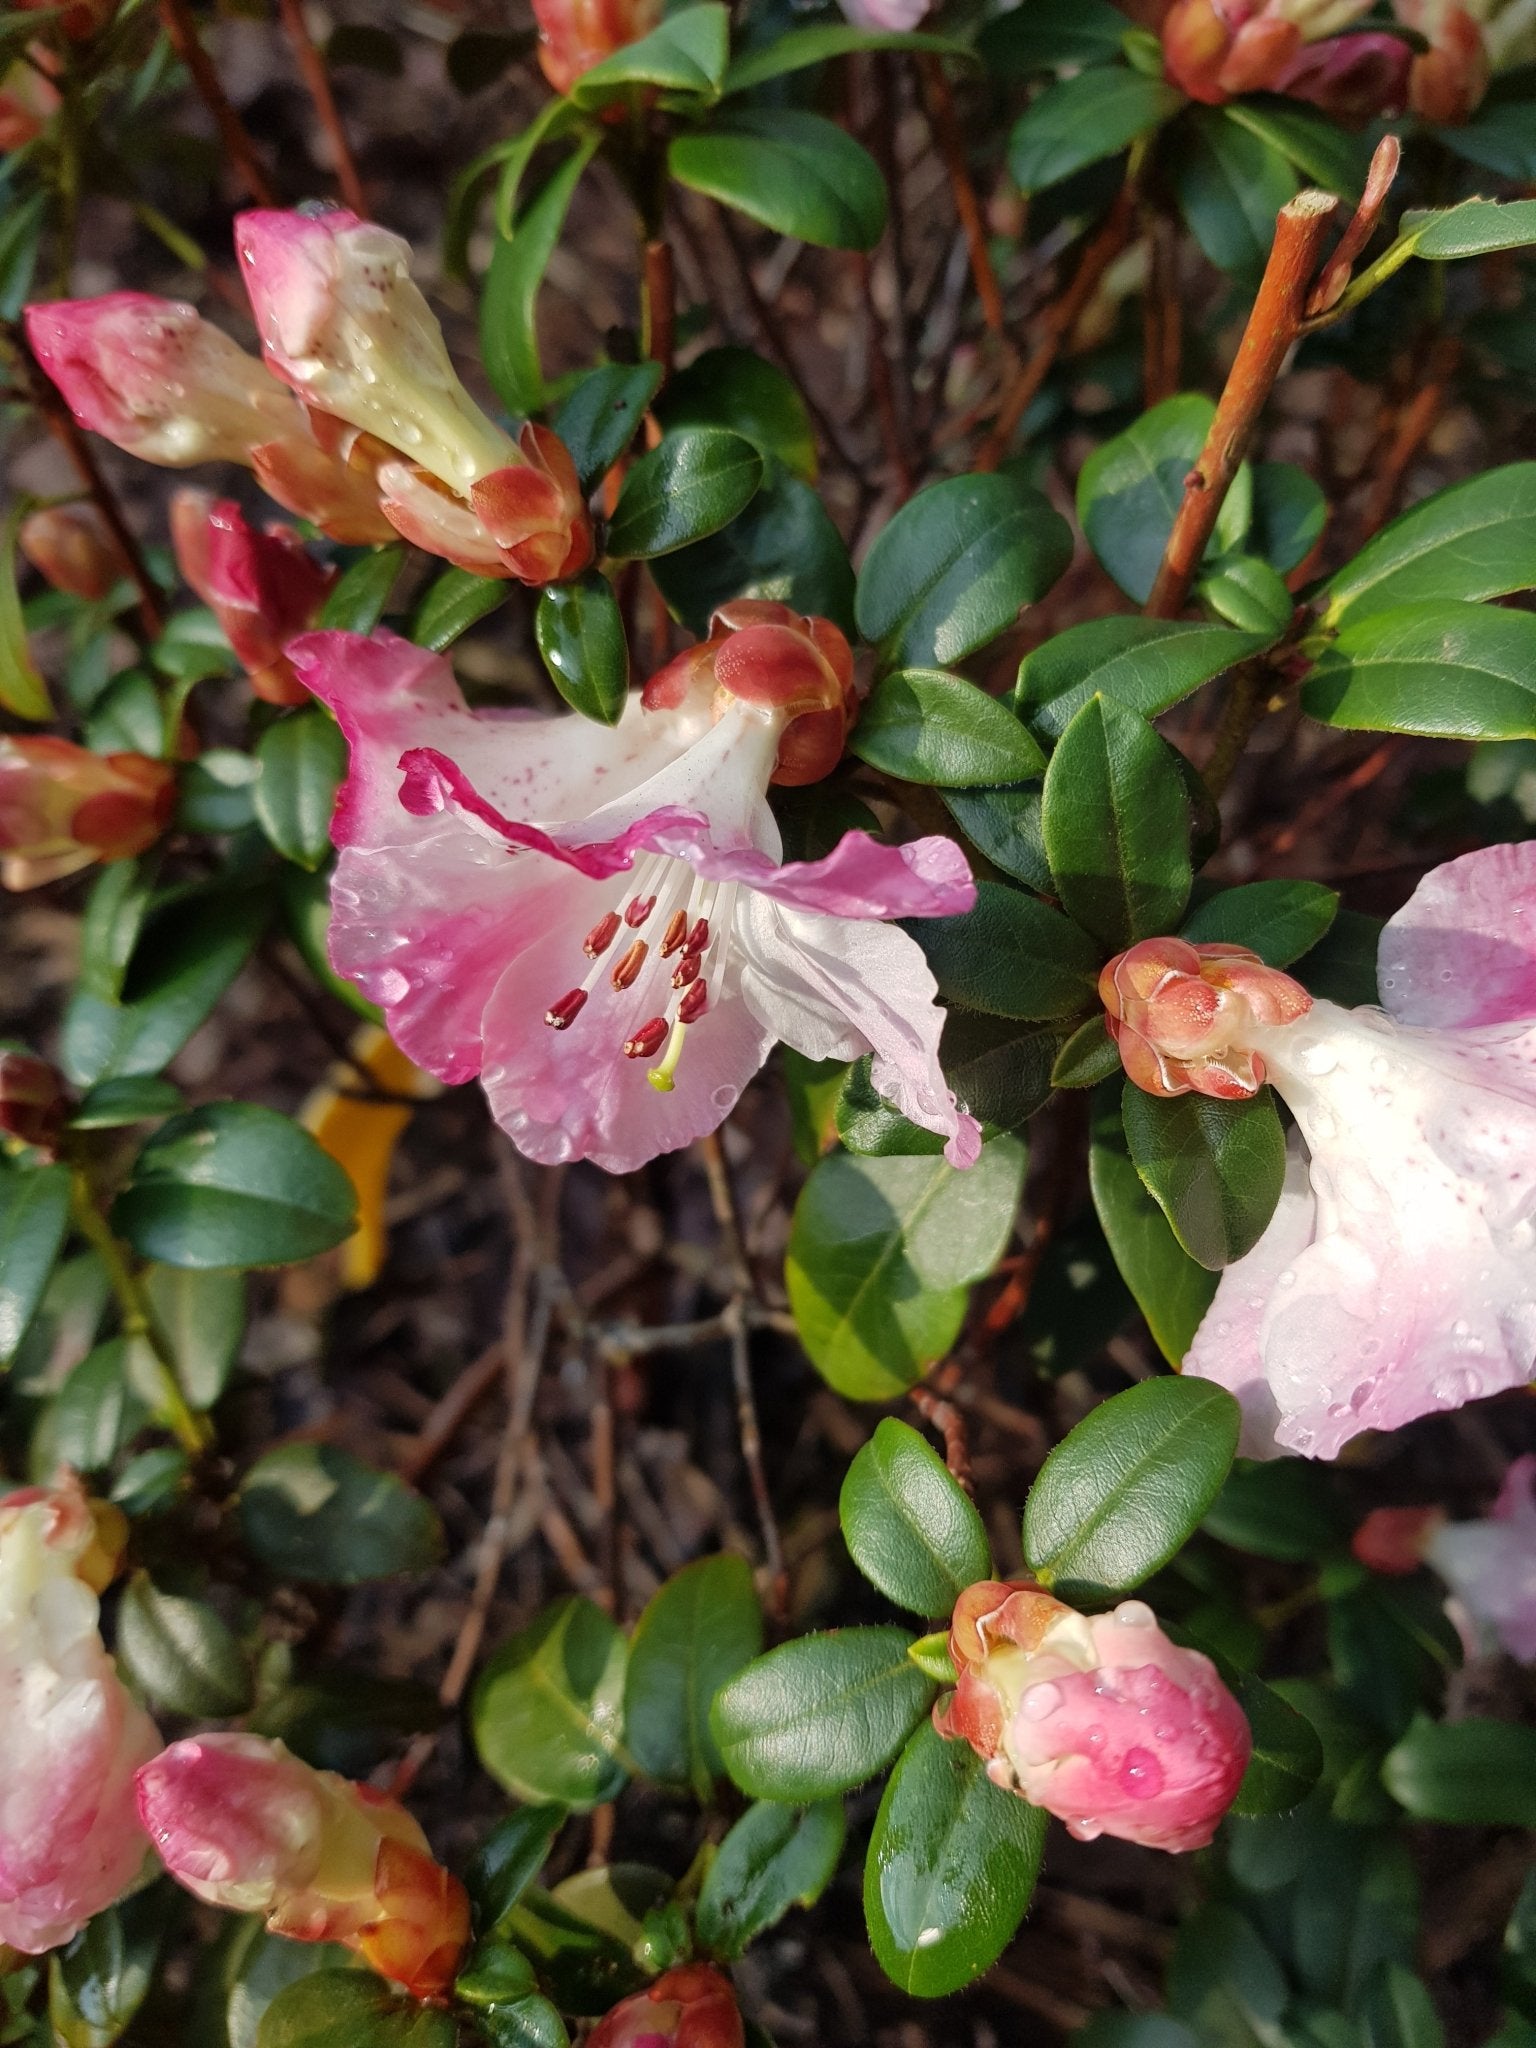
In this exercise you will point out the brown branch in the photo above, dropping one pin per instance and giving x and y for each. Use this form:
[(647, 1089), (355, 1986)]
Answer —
[(659, 304), (1059, 321), (1412, 428), (317, 82), (1272, 328), (1162, 315), (884, 388), (176, 20), (946, 1418), (945, 124)]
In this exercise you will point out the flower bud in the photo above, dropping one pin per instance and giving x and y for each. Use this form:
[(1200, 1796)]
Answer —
[(1216, 50), (1447, 81), (798, 669), (28, 99), (1099, 1718), (245, 1825), (63, 807), (1179, 1013), (1394, 1540), (576, 34), (73, 549), (691, 2007), (71, 1737), (261, 587), (1354, 78), (33, 1100)]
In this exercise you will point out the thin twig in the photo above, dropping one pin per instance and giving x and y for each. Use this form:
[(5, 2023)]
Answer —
[(1411, 429), (946, 1418), (945, 124), (238, 146), (659, 303), (1271, 333), (1162, 315), (449, 1415), (317, 82), (884, 387)]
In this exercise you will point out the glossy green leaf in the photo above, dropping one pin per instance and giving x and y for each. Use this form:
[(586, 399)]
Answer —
[(732, 387), (868, 1124), (684, 54), (582, 1965), (1116, 825), (1081, 120), (1323, 150), (783, 547), (115, 911), (1004, 826), (1277, 920), (98, 1982), (23, 692), (580, 631), (1215, 1167), (1012, 956), (303, 760), (134, 1100), (1230, 185), (1124, 1491), (1148, 665), (599, 416), (34, 1220), (316, 1513), (509, 340), (1453, 671), (1049, 35), (201, 1315), (1475, 540), (955, 566), (821, 1714), (797, 49), (696, 1632), (1399, 2013), (951, 1866), (234, 1184), (1248, 593), (351, 2009), (1129, 490), (1477, 227), (457, 600), (305, 902), (1287, 1758), (1284, 1508), (1000, 1067), (794, 172), (181, 1653), (773, 1858), (1089, 1056), (1172, 1291), (911, 1529), (509, 1859), (1474, 1773), (1499, 136), (548, 1711), (359, 595), (98, 1408), (925, 726), (1290, 512), (691, 484)]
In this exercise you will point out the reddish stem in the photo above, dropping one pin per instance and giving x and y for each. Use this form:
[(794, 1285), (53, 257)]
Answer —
[(177, 23), (317, 82), (945, 123)]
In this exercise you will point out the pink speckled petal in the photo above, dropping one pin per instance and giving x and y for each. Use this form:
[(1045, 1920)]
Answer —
[(1462, 950)]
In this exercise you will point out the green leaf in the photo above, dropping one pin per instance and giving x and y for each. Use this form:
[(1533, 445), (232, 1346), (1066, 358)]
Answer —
[(1004, 826), (1216, 1168), (926, 726), (1247, 592), (112, 1104), (34, 1220), (1289, 514), (1477, 227), (732, 387), (1148, 665), (99, 1407), (548, 1710), (1116, 823), (1082, 120), (1474, 1773), (1124, 1491), (201, 1316), (819, 1715), (1129, 490), (1172, 1291), (97, 1984), (180, 1653), (697, 1632), (358, 597), (1287, 1758), (351, 2009), (1399, 2013), (599, 415), (774, 1857), (685, 53), (951, 1866), (509, 1859), (1499, 136), (582, 1965), (303, 759), (1225, 1981), (783, 547), (305, 902), (911, 1529), (1325, 153), (1089, 1056), (881, 1253), (1049, 35), (794, 172), (690, 484), (217, 790), (316, 1513), (457, 600), (1230, 185), (509, 339), (1277, 920), (955, 566), (1451, 671), (580, 632), (1012, 956), (1278, 1507), (234, 1184), (23, 691), (999, 1067), (799, 48), (115, 911), (1473, 541), (866, 1123)]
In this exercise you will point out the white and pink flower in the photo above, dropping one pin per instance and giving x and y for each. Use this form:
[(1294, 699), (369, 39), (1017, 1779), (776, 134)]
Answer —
[(1488, 1564), (599, 922)]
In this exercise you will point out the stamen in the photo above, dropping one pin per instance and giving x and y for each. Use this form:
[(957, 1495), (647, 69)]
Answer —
[(675, 934), (564, 1013), (646, 1040), (694, 1003), (639, 910), (600, 938), (698, 938), (627, 972), (687, 969), (660, 1077)]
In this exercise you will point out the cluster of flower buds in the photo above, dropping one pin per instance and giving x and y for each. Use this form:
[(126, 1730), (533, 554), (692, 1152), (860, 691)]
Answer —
[(1489, 1564), (1179, 1012), (245, 1825), (762, 653), (73, 549), (63, 807), (356, 420), (1217, 49), (576, 34), (691, 2007), (70, 1736), (263, 588), (1100, 1719)]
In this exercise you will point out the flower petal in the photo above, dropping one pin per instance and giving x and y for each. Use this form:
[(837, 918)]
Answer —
[(1462, 950)]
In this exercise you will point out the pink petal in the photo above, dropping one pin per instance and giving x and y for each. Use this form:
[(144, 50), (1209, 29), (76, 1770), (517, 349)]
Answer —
[(1462, 950)]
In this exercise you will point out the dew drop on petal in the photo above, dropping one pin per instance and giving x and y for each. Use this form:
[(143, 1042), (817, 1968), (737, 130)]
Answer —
[(1041, 1701), (1141, 1774), (723, 1098), (1134, 1614)]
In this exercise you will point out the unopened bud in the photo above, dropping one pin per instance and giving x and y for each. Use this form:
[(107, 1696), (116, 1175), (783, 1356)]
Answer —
[(73, 549), (33, 1100), (263, 588), (63, 807), (691, 2007), (1180, 1015), (576, 34)]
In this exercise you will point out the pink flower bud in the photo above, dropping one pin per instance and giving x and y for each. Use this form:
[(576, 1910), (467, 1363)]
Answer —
[(1353, 78), (245, 1825), (33, 1100), (71, 1737), (1179, 1014), (1216, 50), (28, 99), (74, 549), (261, 587), (691, 2007), (63, 807), (1447, 81), (1100, 1718), (151, 376), (576, 34), (798, 669), (1394, 1540)]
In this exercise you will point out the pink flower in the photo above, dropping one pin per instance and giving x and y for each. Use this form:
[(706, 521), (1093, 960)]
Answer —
[(576, 34), (1398, 1276), (558, 907), (261, 587), (73, 549), (63, 807), (901, 15), (342, 323), (1217, 49), (70, 1735), (1099, 1718), (245, 1825), (1490, 1566), (691, 2007)]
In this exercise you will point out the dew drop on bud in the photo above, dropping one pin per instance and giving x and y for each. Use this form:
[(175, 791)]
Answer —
[(1041, 1701), (1135, 1614)]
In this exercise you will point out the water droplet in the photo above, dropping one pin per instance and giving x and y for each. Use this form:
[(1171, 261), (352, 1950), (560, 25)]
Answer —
[(1287, 1278), (1095, 1737), (1085, 1830), (408, 434), (1141, 1774), (1135, 1614), (1041, 1701), (1167, 1733), (1316, 1056), (723, 1098)]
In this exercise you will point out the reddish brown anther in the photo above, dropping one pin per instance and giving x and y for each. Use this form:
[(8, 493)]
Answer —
[(626, 970), (694, 1003), (687, 970), (647, 1040), (675, 934), (564, 1013), (639, 910), (602, 934)]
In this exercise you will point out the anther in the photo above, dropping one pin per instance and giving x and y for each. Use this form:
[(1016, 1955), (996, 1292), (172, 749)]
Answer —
[(687, 969), (646, 1040), (694, 1003), (639, 910), (600, 938), (627, 971), (675, 934), (559, 1015), (698, 938)]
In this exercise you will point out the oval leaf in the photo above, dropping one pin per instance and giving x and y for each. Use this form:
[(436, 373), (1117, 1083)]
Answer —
[(303, 759), (314, 1512), (1215, 1168), (911, 1529), (820, 1715), (690, 484), (696, 1633), (792, 171), (580, 632), (774, 1857), (548, 1710), (925, 726)]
